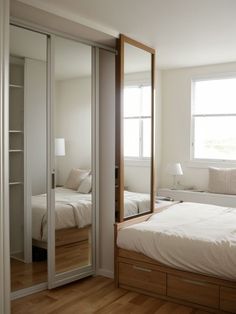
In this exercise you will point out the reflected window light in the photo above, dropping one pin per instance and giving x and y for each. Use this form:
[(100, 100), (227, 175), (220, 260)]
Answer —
[(137, 122)]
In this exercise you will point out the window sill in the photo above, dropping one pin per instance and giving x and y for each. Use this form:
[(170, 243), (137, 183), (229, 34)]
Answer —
[(137, 162), (204, 164)]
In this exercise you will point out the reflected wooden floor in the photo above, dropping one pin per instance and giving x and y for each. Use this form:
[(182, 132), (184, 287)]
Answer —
[(68, 257), (26, 275), (73, 255), (96, 295)]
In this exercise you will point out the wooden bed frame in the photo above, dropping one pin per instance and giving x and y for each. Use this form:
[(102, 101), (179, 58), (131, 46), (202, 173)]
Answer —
[(137, 272), (67, 236)]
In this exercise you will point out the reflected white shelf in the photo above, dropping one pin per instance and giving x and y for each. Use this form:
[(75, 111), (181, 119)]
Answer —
[(15, 183), (15, 131), (16, 86), (15, 150)]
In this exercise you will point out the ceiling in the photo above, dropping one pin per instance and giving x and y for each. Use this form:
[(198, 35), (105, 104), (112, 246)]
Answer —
[(184, 32)]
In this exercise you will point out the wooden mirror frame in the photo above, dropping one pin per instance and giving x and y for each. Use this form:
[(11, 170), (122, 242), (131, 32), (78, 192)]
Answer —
[(119, 157)]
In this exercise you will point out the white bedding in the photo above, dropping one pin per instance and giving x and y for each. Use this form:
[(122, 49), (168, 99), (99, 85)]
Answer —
[(188, 236), (72, 209), (135, 203)]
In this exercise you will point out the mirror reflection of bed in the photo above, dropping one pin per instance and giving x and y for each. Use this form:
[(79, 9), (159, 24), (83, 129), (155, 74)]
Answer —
[(137, 113), (73, 174), (72, 222), (28, 161), (72, 124)]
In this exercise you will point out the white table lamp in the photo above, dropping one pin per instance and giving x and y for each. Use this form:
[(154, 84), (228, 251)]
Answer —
[(174, 169)]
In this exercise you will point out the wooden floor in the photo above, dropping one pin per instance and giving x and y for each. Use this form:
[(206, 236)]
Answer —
[(68, 257), (95, 295)]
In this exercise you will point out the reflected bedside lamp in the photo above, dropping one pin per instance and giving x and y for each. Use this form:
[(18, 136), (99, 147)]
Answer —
[(175, 170)]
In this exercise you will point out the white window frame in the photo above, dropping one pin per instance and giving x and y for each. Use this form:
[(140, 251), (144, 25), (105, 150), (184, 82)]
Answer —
[(141, 160), (204, 162)]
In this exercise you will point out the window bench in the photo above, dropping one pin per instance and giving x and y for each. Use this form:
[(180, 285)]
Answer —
[(199, 197)]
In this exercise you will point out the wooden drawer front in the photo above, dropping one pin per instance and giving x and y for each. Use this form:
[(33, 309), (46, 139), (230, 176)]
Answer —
[(142, 277), (193, 291), (228, 299)]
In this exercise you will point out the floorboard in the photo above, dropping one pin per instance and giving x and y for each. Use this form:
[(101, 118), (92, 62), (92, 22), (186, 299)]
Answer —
[(96, 295)]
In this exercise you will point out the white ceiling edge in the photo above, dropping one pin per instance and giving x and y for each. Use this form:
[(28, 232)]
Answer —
[(71, 16)]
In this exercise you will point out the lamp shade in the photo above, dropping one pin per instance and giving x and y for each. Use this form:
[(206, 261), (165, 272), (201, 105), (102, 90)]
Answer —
[(174, 169), (59, 147)]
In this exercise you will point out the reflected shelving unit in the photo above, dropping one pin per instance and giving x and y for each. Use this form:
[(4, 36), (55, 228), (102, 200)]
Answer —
[(16, 157)]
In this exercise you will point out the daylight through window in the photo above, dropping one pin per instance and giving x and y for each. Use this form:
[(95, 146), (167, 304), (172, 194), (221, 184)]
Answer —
[(214, 119)]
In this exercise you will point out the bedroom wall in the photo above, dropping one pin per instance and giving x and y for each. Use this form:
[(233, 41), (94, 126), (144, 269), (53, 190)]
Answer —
[(73, 123), (176, 111)]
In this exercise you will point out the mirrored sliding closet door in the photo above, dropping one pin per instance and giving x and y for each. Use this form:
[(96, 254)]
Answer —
[(73, 161), (27, 158)]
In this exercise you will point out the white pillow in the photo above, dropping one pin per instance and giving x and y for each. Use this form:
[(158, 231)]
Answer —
[(222, 180), (86, 185), (75, 178)]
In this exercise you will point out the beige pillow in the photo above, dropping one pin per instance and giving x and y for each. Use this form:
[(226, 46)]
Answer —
[(222, 180), (86, 185), (75, 177)]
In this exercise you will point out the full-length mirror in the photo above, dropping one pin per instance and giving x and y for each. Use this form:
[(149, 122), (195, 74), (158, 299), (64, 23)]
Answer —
[(27, 160), (134, 160), (73, 155)]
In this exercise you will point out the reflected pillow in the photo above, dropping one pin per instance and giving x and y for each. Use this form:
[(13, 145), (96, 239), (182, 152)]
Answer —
[(75, 177), (222, 180), (86, 185)]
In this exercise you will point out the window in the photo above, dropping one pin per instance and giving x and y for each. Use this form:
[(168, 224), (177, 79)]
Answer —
[(214, 119), (137, 122)]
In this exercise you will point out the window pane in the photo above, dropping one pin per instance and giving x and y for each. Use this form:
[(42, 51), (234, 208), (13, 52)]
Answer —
[(132, 102), (131, 138), (146, 138), (215, 138), (215, 96), (146, 101)]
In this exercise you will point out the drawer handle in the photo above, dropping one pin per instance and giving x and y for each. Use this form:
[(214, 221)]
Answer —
[(194, 282), (142, 269)]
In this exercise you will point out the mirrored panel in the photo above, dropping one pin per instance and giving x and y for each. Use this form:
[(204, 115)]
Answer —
[(27, 158), (72, 130), (137, 138), (134, 160)]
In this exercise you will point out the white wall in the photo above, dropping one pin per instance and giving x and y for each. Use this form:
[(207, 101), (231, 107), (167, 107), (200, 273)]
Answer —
[(73, 123), (35, 124), (176, 112)]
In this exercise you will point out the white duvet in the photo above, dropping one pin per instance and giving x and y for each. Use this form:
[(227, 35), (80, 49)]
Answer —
[(188, 236), (72, 209), (135, 203)]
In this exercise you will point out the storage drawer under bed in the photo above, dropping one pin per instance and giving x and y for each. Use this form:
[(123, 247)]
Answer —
[(142, 277), (228, 299), (199, 292)]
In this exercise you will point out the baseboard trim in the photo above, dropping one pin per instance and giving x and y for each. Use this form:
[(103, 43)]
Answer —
[(27, 291), (105, 273)]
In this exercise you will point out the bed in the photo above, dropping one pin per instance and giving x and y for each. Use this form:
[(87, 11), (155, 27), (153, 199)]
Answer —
[(187, 253), (136, 203), (72, 217)]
